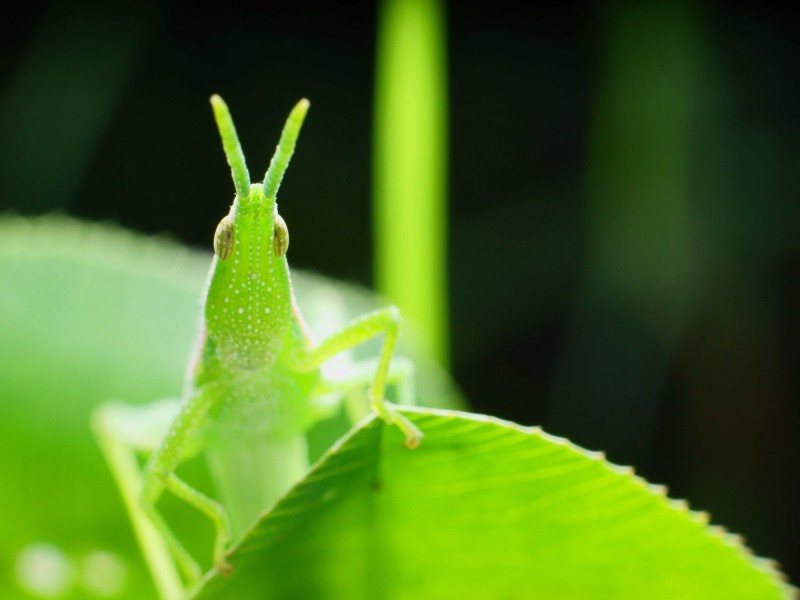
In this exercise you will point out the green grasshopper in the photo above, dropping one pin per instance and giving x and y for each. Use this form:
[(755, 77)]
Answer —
[(254, 387)]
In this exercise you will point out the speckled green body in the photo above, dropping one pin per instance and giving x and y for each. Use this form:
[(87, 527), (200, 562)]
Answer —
[(248, 309), (251, 330), (246, 399), (261, 408)]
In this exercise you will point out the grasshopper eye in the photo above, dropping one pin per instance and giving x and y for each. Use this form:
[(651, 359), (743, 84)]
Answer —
[(223, 238), (280, 237)]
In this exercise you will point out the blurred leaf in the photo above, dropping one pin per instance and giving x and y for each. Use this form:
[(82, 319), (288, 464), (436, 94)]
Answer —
[(484, 509), (87, 313)]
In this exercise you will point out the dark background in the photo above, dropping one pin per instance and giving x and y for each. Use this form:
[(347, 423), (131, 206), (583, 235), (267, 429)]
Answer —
[(567, 309)]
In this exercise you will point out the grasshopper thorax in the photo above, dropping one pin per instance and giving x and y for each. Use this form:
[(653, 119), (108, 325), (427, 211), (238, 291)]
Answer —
[(248, 308)]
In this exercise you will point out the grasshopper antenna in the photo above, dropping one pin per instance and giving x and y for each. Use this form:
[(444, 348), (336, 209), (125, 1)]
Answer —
[(233, 150), (285, 149)]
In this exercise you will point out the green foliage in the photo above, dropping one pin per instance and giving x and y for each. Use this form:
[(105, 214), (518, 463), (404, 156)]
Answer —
[(484, 509), (89, 313)]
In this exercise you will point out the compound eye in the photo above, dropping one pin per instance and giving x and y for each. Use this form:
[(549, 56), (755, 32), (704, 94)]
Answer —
[(280, 238), (224, 238)]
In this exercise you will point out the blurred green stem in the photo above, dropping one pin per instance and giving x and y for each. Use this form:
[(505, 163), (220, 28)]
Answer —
[(410, 166), (639, 285)]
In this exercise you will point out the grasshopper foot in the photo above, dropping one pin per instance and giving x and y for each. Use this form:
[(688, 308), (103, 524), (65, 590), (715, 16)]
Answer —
[(389, 413), (223, 568)]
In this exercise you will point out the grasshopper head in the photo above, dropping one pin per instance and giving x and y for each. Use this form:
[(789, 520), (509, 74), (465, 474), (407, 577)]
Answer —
[(248, 309)]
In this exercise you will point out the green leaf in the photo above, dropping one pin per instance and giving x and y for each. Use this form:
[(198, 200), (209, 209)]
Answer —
[(484, 509), (87, 313)]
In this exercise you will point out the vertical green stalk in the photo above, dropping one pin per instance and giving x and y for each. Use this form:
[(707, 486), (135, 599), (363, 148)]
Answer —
[(639, 288), (410, 166)]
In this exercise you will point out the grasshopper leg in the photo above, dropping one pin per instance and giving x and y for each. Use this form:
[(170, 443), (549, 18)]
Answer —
[(384, 321)]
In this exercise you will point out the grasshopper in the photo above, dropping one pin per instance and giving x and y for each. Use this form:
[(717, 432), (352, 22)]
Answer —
[(253, 388)]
